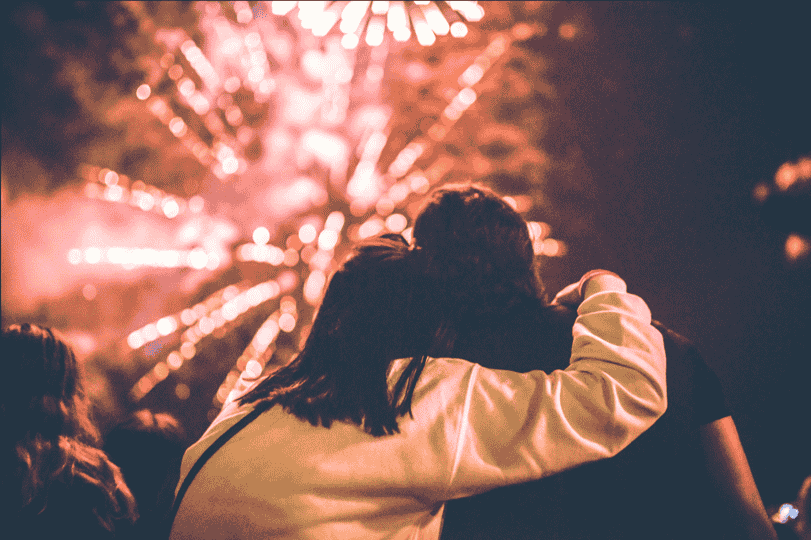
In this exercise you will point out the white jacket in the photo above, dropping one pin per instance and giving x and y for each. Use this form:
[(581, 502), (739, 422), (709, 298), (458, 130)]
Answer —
[(473, 429)]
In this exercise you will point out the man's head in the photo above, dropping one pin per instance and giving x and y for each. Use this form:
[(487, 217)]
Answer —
[(478, 247)]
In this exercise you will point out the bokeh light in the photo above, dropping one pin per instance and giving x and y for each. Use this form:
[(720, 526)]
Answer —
[(143, 91), (797, 247), (261, 235), (307, 233)]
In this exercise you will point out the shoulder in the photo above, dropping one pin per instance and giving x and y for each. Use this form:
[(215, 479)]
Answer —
[(692, 378), (436, 369), (442, 381), (675, 339)]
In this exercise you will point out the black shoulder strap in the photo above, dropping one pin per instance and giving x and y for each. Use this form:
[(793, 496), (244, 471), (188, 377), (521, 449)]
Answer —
[(221, 440)]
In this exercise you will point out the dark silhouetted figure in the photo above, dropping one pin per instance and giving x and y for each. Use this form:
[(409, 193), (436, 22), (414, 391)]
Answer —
[(56, 482), (148, 448), (686, 477)]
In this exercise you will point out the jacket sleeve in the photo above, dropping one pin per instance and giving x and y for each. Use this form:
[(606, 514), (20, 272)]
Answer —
[(518, 427)]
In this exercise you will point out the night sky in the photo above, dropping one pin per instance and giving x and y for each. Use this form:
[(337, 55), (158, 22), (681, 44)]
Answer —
[(680, 110)]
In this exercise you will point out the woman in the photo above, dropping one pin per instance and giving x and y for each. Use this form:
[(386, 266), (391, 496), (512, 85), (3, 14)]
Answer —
[(365, 435), (56, 481)]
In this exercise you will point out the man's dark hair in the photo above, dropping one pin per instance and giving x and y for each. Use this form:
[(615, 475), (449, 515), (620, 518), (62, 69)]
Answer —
[(478, 248)]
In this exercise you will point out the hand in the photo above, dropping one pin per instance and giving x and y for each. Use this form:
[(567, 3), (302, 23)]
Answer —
[(568, 296), (572, 295)]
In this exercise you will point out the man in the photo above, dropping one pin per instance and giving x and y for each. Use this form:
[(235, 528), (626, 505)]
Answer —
[(686, 477)]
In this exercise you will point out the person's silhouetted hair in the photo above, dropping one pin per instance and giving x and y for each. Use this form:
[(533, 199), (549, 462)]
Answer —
[(372, 313), (148, 448), (478, 248), (56, 481)]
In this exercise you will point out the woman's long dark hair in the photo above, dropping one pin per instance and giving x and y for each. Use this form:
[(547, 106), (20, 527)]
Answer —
[(50, 437), (376, 309)]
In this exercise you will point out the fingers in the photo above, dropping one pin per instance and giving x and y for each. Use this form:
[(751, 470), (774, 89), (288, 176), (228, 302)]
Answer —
[(593, 281), (568, 296)]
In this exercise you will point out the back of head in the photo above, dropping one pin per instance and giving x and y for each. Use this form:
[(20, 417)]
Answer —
[(148, 447), (375, 309), (145, 444), (42, 388), (54, 476), (478, 248)]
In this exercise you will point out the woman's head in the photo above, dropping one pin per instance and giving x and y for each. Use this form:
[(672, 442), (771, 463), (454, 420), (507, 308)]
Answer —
[(42, 388), (45, 415), (375, 309), (380, 290), (148, 447), (477, 247)]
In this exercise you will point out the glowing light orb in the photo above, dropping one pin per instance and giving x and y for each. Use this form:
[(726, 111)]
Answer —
[(187, 350), (261, 235), (206, 325), (253, 40), (408, 234), (174, 360), (114, 193), (143, 92), (92, 255), (166, 325), (198, 259), (230, 165), (232, 84), (253, 369), (150, 332), (291, 257), (567, 31), (419, 184), (175, 72), (287, 322), (89, 292), (287, 281), (75, 256), (314, 286), (328, 239), (396, 223), (170, 207), (350, 41), (177, 126), (797, 247), (275, 256), (182, 391), (213, 261), (161, 371), (307, 233), (371, 227), (145, 385), (266, 334), (196, 204), (135, 340), (458, 29), (282, 8), (146, 202), (335, 221)]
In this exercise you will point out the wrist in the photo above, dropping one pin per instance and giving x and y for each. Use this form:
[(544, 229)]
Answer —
[(600, 281)]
